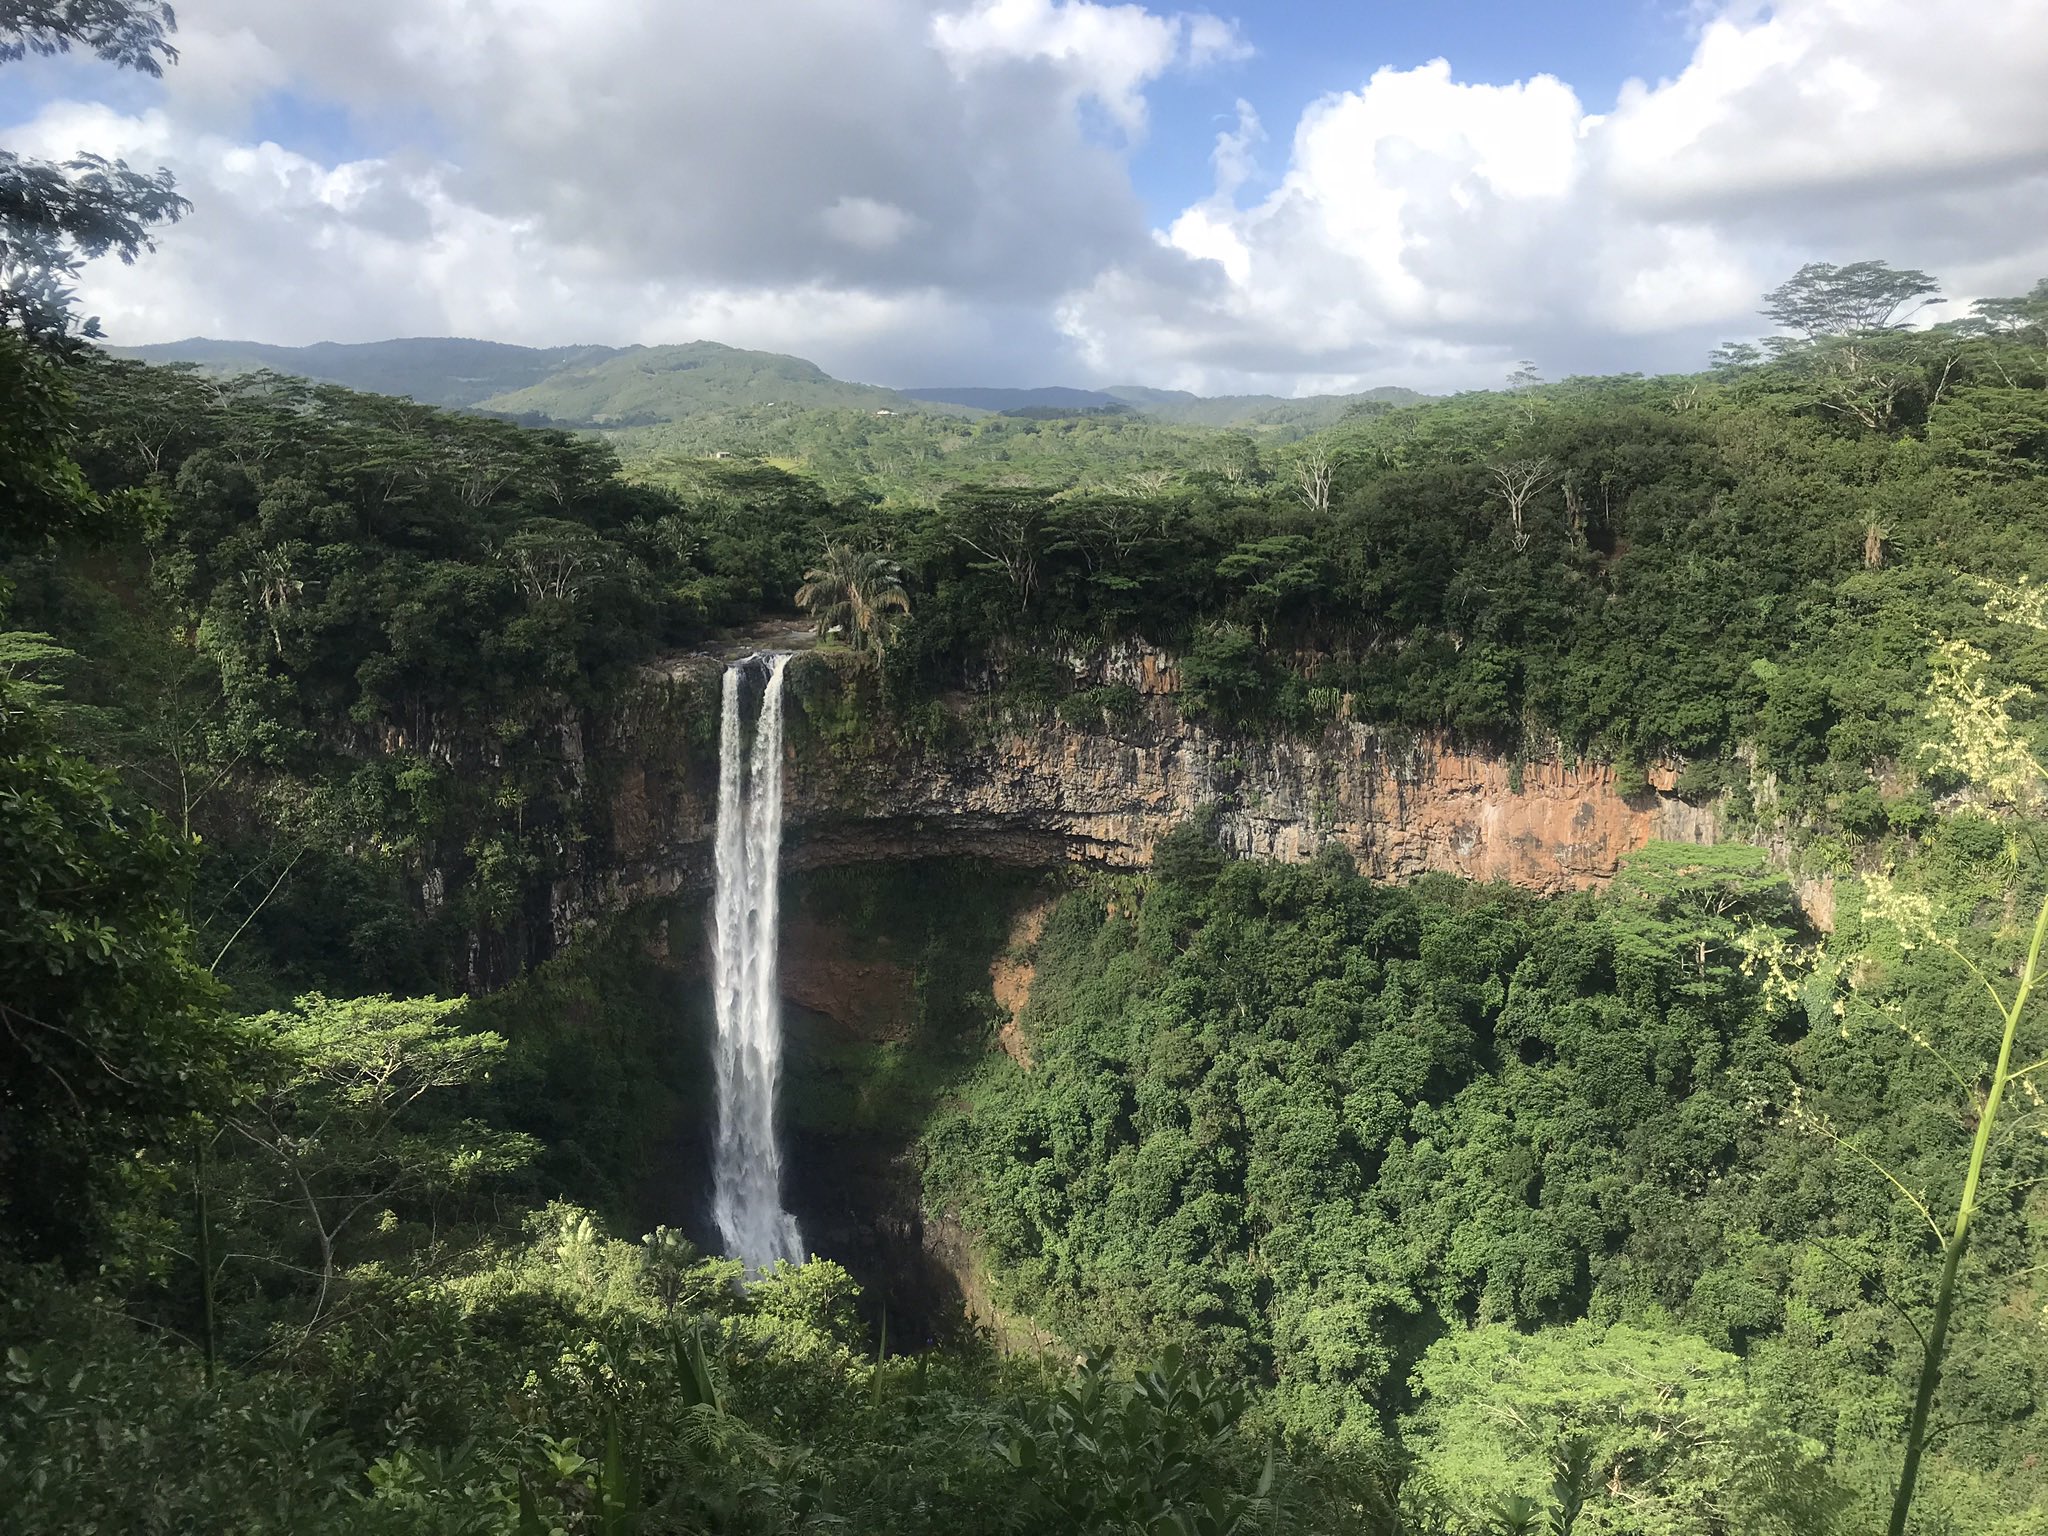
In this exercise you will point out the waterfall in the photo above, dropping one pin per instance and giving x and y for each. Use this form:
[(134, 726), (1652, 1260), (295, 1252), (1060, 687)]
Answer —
[(747, 1167)]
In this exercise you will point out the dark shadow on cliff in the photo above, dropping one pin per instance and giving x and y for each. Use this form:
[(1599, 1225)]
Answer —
[(888, 1007)]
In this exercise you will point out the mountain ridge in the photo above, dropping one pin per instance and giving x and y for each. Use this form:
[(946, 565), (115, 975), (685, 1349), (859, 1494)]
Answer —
[(453, 371), (609, 388)]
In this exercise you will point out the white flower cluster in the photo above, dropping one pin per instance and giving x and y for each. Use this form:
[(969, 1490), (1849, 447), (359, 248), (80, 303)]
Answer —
[(2015, 602), (1977, 738), (1910, 914), (1783, 965)]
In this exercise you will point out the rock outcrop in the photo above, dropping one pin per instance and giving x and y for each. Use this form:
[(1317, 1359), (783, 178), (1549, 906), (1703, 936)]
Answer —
[(1011, 975), (1052, 791), (1403, 808)]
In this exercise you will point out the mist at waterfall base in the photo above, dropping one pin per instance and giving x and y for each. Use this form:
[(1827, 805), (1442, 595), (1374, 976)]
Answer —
[(747, 1053)]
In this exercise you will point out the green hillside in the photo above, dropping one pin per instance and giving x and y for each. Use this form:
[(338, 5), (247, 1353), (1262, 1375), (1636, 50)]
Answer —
[(434, 370), (1309, 413), (575, 386), (643, 386), (1276, 414), (1056, 397), (622, 387), (915, 457)]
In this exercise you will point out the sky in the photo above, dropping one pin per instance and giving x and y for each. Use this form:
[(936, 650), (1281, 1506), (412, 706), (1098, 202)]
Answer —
[(1263, 197)]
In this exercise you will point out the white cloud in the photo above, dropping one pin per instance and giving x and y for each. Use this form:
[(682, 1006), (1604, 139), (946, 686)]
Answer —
[(279, 246), (1212, 40), (1830, 95), (1429, 230), (599, 168), (283, 248), (923, 189), (1109, 53), (1236, 154), (866, 224)]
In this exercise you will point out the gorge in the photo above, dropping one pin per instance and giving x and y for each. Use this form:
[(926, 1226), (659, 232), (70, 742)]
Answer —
[(1030, 795)]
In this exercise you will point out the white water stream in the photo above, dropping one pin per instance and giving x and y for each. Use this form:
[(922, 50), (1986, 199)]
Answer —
[(747, 1164)]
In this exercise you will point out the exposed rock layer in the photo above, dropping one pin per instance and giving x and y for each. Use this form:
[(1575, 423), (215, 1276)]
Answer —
[(1011, 976), (1052, 792)]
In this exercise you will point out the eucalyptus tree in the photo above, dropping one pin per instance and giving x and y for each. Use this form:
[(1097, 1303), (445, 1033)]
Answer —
[(1516, 482)]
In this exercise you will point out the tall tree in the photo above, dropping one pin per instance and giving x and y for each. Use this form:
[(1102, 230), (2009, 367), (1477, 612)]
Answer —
[(853, 593), (1007, 528), (332, 1121), (1515, 482), (2021, 322), (45, 492), (1844, 325), (1864, 297), (1696, 901), (1312, 474)]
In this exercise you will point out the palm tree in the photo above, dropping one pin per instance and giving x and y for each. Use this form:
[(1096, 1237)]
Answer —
[(854, 593), (271, 583)]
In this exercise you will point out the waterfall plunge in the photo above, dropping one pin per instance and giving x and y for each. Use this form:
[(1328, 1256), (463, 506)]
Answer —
[(747, 1168)]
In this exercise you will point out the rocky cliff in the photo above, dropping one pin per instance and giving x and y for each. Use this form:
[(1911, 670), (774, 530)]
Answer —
[(1047, 790)]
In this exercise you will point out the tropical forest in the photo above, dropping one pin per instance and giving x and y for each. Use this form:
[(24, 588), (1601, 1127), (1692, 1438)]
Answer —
[(620, 940)]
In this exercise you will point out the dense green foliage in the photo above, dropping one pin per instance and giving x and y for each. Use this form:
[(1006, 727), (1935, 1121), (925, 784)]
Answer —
[(562, 1381), (335, 570), (917, 457), (1324, 1128), (104, 1017), (1439, 1210), (1292, 416)]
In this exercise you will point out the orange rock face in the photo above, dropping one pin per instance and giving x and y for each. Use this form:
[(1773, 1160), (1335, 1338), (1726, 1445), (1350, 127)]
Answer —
[(1400, 808), (1010, 977), (1052, 791)]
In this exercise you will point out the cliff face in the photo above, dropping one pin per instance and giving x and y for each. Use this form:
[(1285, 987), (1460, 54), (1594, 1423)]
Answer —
[(1400, 808), (1053, 791)]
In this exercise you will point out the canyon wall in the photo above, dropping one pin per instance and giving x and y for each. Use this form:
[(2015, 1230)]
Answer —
[(1050, 791)]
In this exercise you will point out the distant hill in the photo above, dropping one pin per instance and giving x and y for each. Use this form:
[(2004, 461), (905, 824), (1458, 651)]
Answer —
[(1311, 413), (1308, 413), (570, 386), (434, 370), (623, 387), (645, 386), (1058, 398)]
